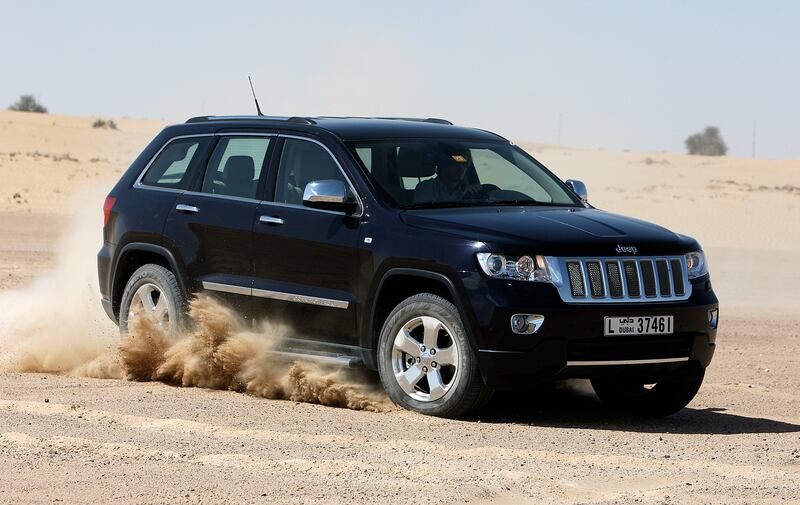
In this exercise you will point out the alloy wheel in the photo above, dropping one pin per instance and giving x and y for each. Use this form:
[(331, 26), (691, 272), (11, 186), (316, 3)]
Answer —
[(425, 359)]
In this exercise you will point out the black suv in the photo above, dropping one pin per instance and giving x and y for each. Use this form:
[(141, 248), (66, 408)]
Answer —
[(446, 258)]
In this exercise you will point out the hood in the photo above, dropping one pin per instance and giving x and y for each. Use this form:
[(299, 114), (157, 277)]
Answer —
[(557, 231)]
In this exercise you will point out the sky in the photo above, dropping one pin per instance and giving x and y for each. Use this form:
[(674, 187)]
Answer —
[(639, 75)]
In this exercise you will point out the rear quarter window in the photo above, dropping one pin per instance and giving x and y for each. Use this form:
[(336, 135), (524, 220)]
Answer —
[(174, 167)]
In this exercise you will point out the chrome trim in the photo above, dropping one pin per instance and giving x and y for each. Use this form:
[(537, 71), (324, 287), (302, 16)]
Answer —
[(275, 295), (227, 288), (310, 300), (302, 207), (627, 362), (579, 188), (138, 183), (270, 220), (223, 197), (360, 212), (191, 209), (534, 323), (565, 291), (327, 190)]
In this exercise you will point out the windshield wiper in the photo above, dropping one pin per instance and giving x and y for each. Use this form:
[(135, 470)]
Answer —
[(445, 205), (530, 203)]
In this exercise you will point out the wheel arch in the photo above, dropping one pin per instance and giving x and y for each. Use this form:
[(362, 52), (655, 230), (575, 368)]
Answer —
[(399, 283), (131, 257)]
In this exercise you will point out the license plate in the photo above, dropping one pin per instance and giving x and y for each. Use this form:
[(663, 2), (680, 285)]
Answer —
[(637, 325)]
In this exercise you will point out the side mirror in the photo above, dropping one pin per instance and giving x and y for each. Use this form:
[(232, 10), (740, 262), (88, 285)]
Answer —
[(329, 195), (579, 188)]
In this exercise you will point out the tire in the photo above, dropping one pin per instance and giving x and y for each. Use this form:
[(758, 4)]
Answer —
[(451, 388), (667, 396), (161, 286)]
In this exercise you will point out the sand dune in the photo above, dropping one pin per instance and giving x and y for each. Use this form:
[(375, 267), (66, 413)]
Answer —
[(86, 440)]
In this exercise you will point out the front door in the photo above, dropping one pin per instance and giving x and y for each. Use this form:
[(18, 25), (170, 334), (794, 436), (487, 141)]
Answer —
[(306, 261)]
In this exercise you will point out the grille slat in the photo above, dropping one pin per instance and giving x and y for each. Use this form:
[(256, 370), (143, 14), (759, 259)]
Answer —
[(595, 274), (648, 278), (677, 277), (663, 278), (614, 279), (576, 279), (633, 279)]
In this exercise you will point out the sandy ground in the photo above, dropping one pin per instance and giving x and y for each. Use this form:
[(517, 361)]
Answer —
[(83, 440)]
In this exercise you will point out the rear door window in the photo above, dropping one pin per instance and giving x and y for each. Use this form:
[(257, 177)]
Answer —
[(235, 167), (174, 166)]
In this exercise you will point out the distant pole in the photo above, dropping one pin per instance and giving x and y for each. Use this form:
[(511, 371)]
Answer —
[(560, 122), (755, 123)]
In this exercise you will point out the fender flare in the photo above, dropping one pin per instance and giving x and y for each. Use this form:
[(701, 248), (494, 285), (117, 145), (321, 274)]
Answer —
[(146, 247), (368, 341)]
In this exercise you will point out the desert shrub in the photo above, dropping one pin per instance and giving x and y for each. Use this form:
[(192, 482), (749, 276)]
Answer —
[(102, 123), (28, 103), (707, 143)]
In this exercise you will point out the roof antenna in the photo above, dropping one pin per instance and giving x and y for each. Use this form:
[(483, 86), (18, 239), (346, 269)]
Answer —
[(254, 96)]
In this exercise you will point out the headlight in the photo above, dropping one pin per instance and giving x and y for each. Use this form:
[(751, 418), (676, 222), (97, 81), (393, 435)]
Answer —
[(696, 264), (521, 268)]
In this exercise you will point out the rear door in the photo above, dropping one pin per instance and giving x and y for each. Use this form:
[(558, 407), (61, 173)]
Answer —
[(306, 260), (176, 168), (212, 226)]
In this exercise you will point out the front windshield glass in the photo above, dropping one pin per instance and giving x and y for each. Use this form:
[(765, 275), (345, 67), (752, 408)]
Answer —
[(457, 173)]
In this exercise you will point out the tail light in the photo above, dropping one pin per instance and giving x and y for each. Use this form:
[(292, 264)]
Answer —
[(107, 206)]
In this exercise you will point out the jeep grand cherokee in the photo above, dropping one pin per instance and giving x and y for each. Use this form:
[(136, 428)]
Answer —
[(446, 258)]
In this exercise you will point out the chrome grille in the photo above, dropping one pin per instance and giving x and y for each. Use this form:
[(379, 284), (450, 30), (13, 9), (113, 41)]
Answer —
[(623, 279)]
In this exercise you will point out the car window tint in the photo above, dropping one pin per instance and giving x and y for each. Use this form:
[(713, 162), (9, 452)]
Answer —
[(302, 162), (170, 169), (365, 154), (236, 165), (492, 168)]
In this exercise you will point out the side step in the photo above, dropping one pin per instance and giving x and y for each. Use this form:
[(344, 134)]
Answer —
[(321, 357)]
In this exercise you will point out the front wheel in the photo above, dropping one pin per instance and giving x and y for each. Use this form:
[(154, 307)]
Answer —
[(667, 396), (425, 361)]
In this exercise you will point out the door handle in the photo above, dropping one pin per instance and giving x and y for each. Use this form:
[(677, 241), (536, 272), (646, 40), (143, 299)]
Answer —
[(187, 209), (271, 220)]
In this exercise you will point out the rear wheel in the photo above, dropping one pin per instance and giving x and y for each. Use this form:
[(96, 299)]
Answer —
[(153, 291), (665, 397), (425, 360)]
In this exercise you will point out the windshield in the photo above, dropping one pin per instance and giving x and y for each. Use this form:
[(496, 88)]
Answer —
[(457, 173)]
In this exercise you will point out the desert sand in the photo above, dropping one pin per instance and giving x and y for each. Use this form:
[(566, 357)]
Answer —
[(80, 440)]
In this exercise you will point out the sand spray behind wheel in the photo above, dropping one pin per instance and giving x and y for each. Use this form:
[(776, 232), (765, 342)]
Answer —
[(221, 352), (57, 325)]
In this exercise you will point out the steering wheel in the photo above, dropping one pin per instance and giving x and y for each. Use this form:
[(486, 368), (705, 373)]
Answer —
[(482, 192)]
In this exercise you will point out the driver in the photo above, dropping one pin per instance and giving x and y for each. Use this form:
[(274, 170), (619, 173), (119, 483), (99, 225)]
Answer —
[(449, 185)]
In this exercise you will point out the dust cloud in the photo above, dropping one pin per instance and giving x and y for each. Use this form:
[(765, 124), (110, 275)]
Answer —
[(223, 353), (56, 325)]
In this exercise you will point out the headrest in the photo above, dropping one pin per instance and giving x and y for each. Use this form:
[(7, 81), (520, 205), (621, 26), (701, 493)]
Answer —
[(415, 163), (239, 169)]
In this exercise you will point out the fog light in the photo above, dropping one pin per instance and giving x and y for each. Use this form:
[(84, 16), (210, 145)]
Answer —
[(525, 324), (713, 318)]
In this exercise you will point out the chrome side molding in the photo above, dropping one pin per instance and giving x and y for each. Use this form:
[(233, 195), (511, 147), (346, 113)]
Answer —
[(227, 288), (276, 295), (627, 362), (310, 300)]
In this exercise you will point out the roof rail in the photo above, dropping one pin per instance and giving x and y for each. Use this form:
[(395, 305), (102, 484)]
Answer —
[(293, 119), (420, 119)]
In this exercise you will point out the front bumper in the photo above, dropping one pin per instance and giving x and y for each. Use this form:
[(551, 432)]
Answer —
[(571, 344)]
